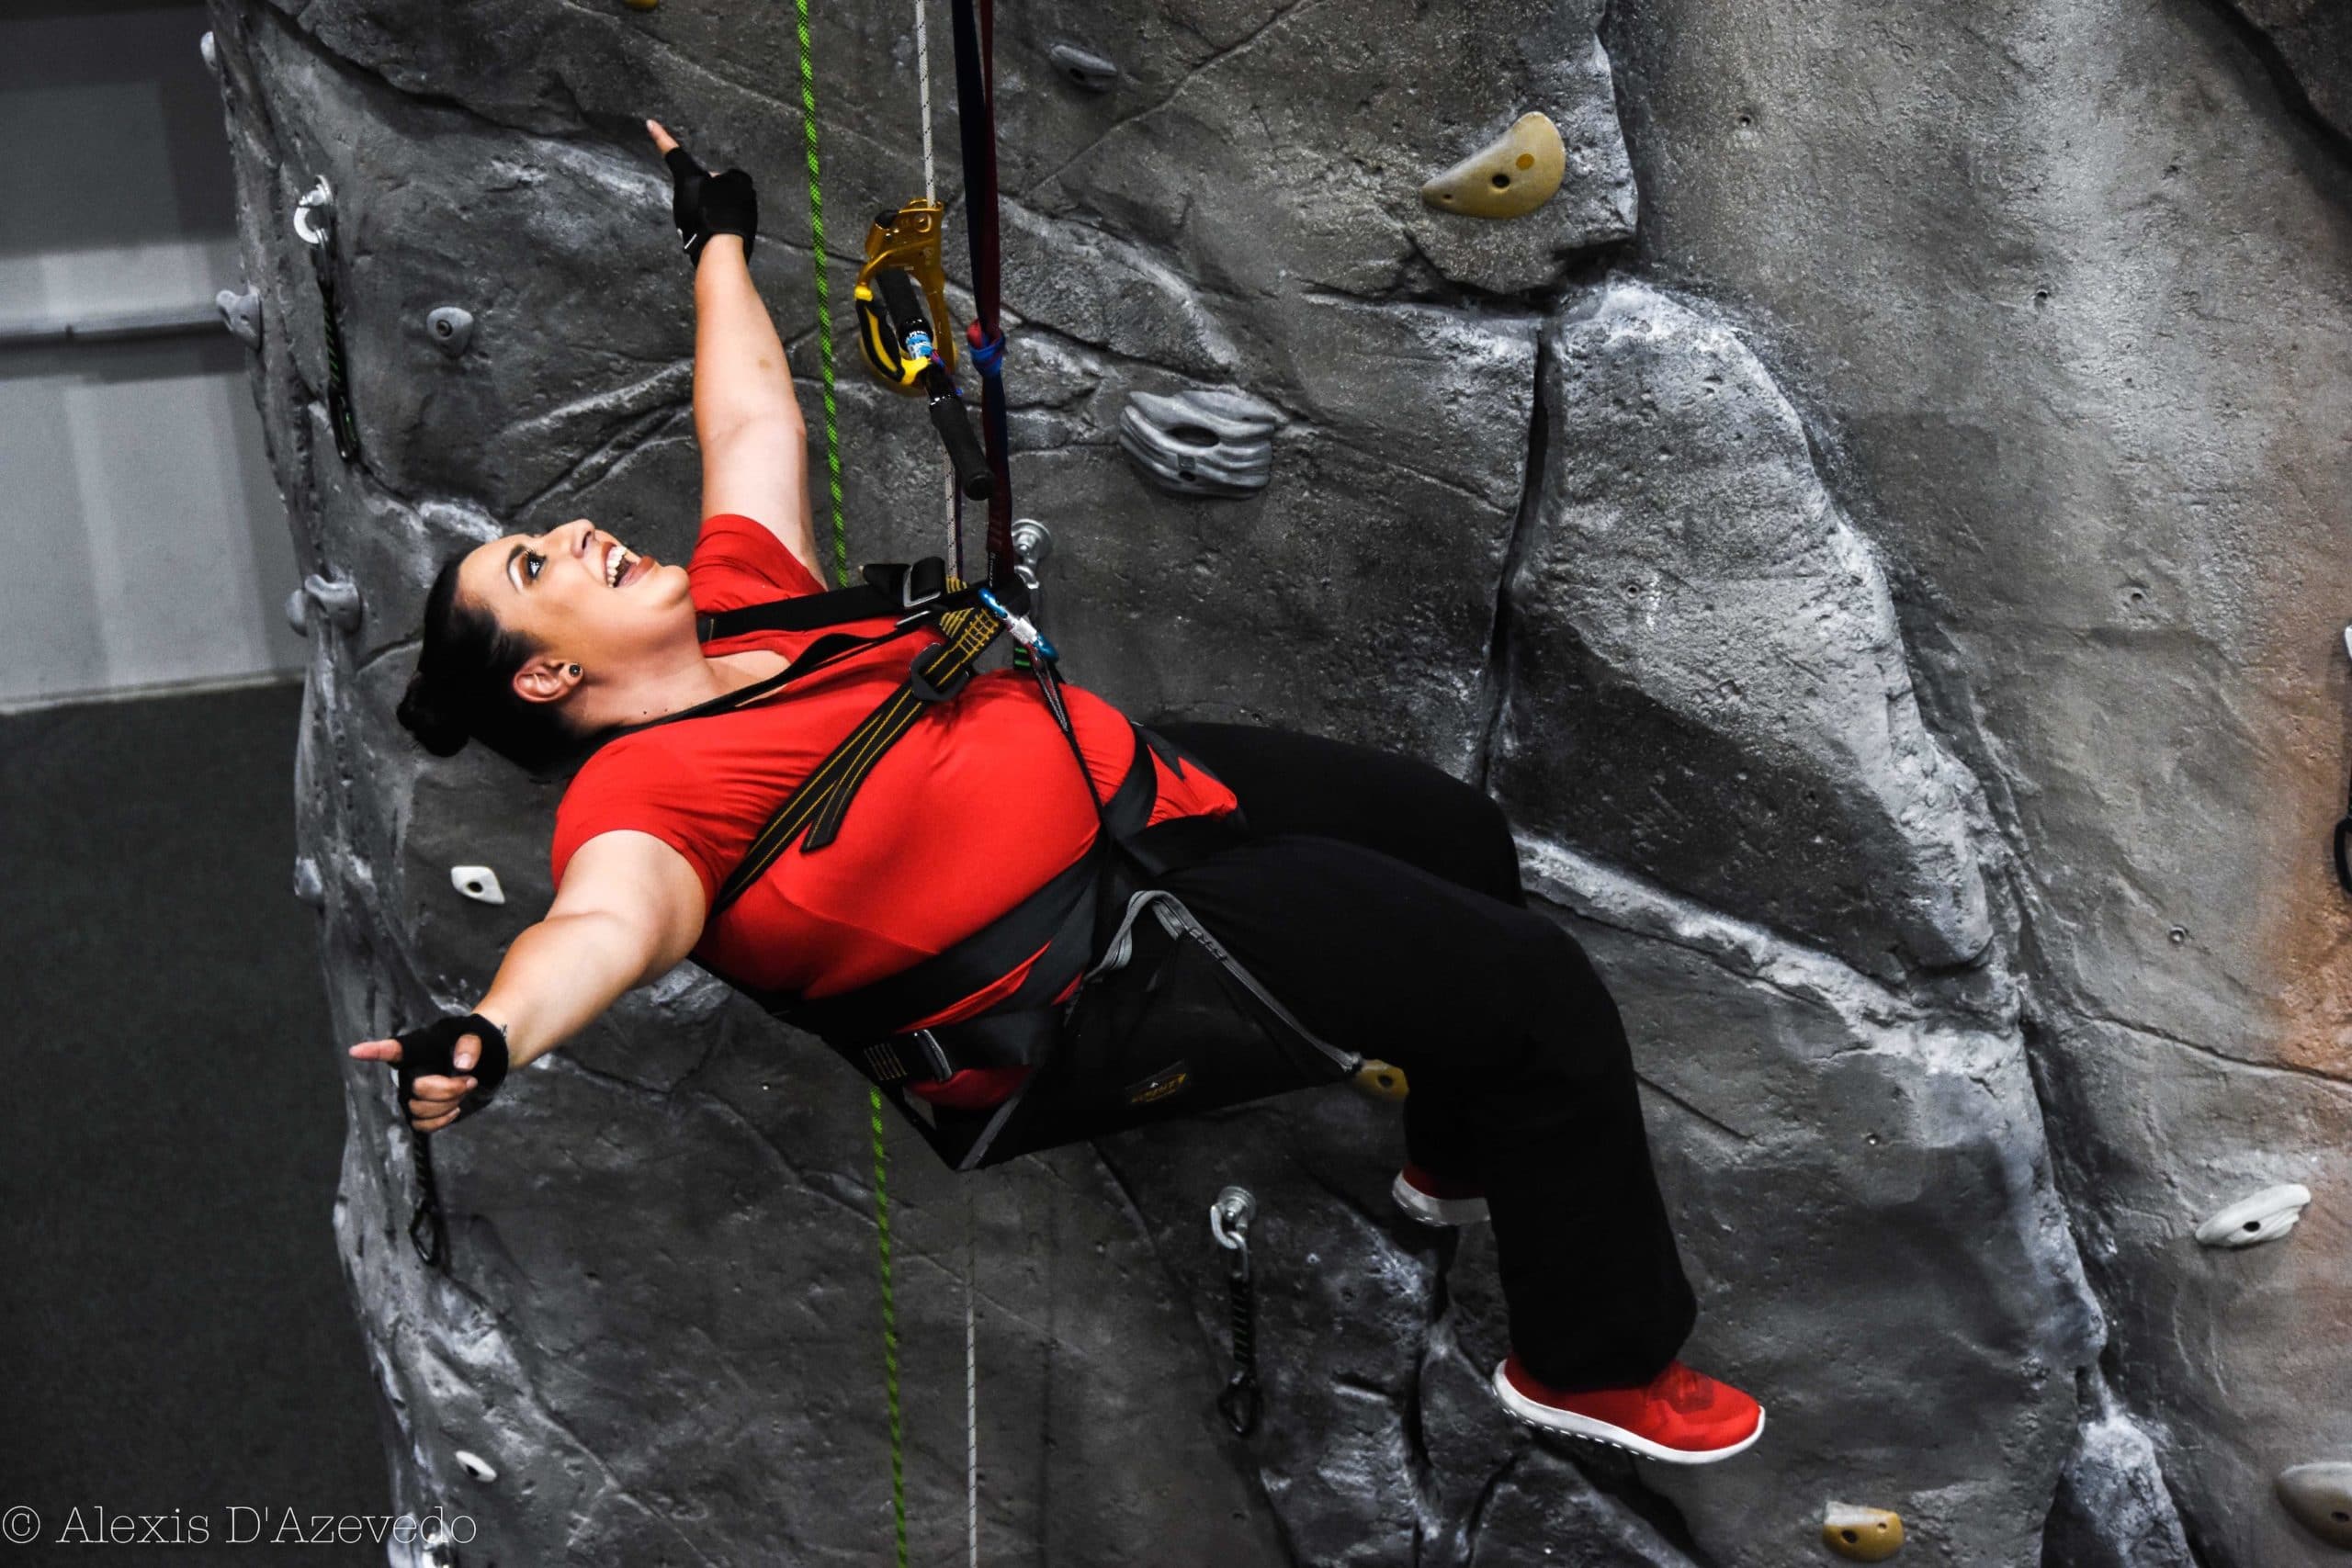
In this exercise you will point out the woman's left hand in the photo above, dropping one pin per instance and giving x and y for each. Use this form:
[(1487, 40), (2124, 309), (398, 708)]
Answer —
[(703, 204)]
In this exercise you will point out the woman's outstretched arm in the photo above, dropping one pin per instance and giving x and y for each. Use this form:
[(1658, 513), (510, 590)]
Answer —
[(629, 910), (747, 418)]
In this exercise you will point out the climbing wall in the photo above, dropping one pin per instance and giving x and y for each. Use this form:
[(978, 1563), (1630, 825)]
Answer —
[(1870, 524)]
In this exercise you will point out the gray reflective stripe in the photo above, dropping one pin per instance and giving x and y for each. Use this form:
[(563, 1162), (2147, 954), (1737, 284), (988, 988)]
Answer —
[(1177, 920)]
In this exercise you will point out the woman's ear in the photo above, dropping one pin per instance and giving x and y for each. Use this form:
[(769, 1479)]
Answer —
[(544, 678)]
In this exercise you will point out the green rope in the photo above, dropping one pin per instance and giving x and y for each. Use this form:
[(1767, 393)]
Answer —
[(841, 576), (824, 298), (889, 1329)]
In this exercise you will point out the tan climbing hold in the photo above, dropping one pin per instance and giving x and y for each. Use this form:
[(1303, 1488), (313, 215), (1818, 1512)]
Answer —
[(2320, 1497), (1509, 177), (1861, 1535), (1382, 1081)]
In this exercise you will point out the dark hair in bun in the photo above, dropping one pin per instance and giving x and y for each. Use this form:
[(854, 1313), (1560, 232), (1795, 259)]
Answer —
[(463, 686)]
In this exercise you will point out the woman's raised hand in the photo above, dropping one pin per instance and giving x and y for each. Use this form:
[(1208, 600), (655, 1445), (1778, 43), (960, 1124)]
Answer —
[(703, 204), (447, 1069), (437, 1099)]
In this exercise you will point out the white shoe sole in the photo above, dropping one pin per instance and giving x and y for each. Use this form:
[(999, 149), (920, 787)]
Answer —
[(1432, 1210), (1545, 1418)]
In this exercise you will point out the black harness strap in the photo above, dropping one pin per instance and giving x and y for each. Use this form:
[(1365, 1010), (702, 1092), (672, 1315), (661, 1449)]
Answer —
[(822, 799), (1055, 923), (920, 596)]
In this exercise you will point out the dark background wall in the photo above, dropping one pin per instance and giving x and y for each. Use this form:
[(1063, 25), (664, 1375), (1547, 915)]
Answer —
[(179, 1336)]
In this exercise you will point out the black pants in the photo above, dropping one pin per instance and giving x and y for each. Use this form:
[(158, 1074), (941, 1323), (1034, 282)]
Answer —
[(1380, 900)]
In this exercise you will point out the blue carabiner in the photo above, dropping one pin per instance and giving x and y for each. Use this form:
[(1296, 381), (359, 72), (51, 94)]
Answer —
[(1023, 630)]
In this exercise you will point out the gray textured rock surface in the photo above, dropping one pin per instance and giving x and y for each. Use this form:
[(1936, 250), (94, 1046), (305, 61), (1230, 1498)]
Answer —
[(1891, 604), (1706, 681), (2314, 43), (2112, 1510), (2078, 363)]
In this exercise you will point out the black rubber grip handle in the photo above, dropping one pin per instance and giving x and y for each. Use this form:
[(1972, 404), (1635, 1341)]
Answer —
[(903, 302), (972, 475)]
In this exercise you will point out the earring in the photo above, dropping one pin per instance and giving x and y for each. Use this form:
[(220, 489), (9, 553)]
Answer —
[(575, 669)]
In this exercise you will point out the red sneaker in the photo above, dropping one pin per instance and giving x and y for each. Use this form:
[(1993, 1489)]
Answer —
[(1681, 1416), (1435, 1201)]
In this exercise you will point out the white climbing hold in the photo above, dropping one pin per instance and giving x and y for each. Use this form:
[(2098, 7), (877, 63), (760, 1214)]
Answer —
[(478, 883), (2268, 1215), (1860, 1534), (2319, 1499), (210, 49), (309, 884), (2347, 639), (1509, 177), (1201, 442), (473, 1464)]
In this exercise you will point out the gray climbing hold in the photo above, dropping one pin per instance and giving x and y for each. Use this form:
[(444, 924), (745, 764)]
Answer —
[(1084, 68), (2319, 1499), (1202, 442), (2268, 1215), (338, 602), (478, 883), (241, 313), (298, 613), (473, 1464), (310, 886), (451, 328)]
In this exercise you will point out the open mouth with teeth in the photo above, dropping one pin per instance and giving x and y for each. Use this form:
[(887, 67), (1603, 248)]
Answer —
[(622, 567)]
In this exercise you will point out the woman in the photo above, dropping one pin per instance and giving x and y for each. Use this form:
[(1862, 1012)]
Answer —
[(1374, 896)]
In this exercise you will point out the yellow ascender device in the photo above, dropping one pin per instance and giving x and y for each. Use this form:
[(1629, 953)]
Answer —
[(902, 275)]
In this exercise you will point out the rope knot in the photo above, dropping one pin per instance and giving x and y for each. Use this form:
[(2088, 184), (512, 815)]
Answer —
[(987, 350)]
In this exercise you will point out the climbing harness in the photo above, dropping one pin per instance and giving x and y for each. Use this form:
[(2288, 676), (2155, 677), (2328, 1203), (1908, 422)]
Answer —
[(1229, 1219), (314, 223)]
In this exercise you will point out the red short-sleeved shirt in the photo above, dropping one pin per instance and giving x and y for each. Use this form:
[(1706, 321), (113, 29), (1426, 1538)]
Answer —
[(977, 806)]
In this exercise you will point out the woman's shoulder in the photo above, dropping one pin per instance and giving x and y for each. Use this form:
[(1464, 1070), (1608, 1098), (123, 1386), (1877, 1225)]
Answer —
[(648, 781), (738, 561)]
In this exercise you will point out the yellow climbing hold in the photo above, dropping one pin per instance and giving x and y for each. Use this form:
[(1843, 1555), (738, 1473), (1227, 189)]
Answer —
[(641, 4), (1509, 177), (1382, 1081), (1861, 1535)]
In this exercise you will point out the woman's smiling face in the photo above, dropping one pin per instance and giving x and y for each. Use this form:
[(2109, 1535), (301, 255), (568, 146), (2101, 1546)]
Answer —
[(581, 595)]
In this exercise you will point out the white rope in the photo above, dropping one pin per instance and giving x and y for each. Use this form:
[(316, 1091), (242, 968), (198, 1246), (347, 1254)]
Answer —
[(923, 88), (971, 1391)]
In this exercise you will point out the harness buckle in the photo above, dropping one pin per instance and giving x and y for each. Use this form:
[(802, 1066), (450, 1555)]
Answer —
[(934, 1054), (919, 681), (925, 580)]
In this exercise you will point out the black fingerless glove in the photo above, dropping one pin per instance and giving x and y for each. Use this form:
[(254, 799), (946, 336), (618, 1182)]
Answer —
[(432, 1051), (703, 204)]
